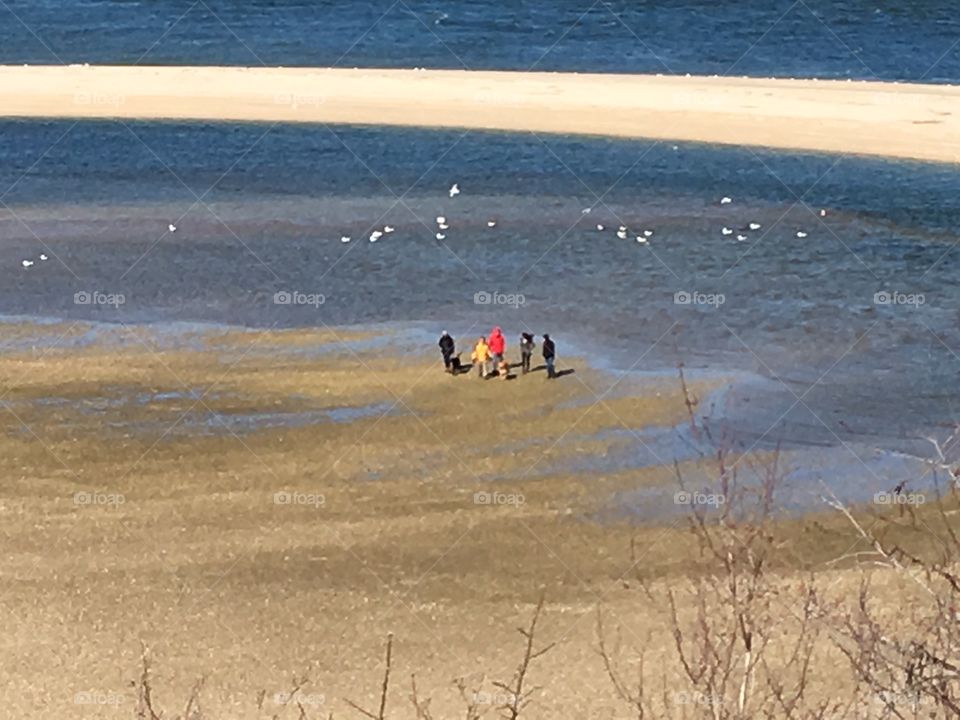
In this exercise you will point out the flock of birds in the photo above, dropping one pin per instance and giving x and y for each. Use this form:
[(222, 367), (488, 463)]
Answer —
[(644, 237), (441, 223), (622, 231)]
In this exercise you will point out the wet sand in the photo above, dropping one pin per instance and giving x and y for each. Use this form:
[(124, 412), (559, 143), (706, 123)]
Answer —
[(130, 517), (908, 121)]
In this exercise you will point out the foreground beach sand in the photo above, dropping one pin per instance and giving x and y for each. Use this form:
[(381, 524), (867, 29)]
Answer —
[(139, 508), (907, 121)]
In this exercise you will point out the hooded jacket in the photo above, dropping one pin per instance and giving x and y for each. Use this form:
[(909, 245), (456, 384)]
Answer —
[(496, 342)]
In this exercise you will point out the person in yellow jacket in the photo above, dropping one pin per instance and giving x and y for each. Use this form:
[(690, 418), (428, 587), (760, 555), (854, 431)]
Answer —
[(481, 356)]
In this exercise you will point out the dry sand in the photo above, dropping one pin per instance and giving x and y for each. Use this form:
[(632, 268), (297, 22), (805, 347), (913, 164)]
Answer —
[(866, 118)]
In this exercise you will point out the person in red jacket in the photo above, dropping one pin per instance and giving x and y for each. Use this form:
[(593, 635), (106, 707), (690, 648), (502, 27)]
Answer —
[(497, 345)]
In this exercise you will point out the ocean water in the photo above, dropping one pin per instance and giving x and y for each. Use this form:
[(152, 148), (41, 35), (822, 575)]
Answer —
[(847, 337), (889, 40)]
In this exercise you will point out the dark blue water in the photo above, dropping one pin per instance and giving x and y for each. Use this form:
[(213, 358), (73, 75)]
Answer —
[(261, 209), (889, 40)]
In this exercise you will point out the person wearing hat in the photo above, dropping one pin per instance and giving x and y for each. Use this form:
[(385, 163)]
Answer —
[(447, 349)]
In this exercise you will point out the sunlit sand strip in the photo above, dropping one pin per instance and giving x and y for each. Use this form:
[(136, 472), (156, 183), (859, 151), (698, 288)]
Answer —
[(865, 118)]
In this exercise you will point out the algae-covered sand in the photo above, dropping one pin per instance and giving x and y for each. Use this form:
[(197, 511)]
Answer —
[(257, 506)]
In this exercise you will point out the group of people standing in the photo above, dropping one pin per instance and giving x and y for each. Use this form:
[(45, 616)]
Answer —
[(489, 354)]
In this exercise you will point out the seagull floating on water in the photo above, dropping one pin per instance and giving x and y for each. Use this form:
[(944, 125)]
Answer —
[(648, 233), (741, 238), (375, 235), (600, 227), (491, 223), (172, 228), (344, 239), (454, 190), (641, 239), (441, 219), (26, 263), (823, 213), (441, 236), (388, 228), (754, 226), (586, 211), (801, 234), (443, 226), (725, 200), (44, 257), (622, 234), (727, 231)]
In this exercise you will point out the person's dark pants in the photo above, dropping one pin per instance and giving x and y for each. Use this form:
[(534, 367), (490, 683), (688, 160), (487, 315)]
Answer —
[(448, 361), (551, 372), (525, 362)]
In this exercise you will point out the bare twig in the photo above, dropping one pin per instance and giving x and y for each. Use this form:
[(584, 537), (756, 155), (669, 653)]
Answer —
[(384, 688), (518, 696)]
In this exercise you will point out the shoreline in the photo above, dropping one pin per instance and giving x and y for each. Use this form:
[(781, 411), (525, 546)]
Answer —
[(903, 121), (660, 443), (294, 536)]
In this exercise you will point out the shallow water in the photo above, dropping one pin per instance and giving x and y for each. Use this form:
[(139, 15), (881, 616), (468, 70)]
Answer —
[(801, 312), (823, 360)]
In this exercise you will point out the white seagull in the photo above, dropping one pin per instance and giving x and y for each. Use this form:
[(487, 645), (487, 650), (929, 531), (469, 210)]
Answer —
[(801, 234), (823, 213), (443, 226), (26, 263), (344, 239), (725, 200), (454, 190), (727, 231), (622, 234), (375, 235), (641, 239), (754, 226), (172, 228), (600, 228), (441, 236), (441, 220), (648, 233), (44, 257), (491, 223), (586, 211), (388, 228), (741, 238)]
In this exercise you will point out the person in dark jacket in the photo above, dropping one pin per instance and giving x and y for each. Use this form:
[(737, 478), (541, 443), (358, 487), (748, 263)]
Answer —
[(447, 349), (549, 354), (526, 351)]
